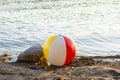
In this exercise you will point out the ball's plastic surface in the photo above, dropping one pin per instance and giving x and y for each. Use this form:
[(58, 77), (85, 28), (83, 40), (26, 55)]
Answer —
[(59, 50)]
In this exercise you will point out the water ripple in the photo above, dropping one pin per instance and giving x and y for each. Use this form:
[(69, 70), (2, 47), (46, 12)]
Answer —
[(94, 25)]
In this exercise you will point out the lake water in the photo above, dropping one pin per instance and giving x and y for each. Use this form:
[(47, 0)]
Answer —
[(94, 25)]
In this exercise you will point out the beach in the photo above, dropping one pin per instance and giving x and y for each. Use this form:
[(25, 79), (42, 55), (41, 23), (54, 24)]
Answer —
[(94, 25), (81, 68)]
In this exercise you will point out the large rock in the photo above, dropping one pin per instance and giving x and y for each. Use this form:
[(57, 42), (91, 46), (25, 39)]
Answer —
[(32, 54)]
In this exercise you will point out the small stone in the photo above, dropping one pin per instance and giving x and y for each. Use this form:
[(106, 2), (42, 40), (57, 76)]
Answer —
[(57, 78), (4, 55), (35, 79), (34, 67)]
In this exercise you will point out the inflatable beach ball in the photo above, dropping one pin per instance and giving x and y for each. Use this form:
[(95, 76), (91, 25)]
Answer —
[(59, 50)]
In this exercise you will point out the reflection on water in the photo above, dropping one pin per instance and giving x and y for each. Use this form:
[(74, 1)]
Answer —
[(94, 25)]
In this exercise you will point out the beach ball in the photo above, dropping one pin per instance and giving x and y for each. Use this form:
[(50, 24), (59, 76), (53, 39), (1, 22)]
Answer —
[(59, 50)]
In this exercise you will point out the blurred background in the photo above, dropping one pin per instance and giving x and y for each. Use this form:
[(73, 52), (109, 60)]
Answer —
[(94, 25)]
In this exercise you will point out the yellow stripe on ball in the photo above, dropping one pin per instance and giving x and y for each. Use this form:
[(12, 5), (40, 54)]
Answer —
[(47, 45)]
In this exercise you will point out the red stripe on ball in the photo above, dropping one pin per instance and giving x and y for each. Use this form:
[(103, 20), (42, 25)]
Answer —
[(70, 50)]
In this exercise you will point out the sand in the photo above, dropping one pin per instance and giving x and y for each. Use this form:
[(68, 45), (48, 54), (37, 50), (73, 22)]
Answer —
[(82, 68)]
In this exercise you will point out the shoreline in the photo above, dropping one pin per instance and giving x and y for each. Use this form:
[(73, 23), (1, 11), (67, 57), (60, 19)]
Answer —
[(82, 68)]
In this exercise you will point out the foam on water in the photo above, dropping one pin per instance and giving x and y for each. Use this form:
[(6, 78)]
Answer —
[(94, 25)]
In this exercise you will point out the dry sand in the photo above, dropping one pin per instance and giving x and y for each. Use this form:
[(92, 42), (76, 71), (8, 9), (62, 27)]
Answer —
[(82, 68)]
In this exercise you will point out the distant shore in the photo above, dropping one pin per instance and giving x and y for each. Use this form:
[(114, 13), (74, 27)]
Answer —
[(82, 68)]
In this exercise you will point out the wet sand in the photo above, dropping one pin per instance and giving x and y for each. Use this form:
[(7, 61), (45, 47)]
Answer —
[(82, 68)]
